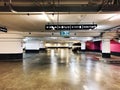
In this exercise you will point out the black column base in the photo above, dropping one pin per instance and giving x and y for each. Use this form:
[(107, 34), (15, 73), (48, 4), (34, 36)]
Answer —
[(69, 47), (11, 57), (106, 55), (83, 50), (42, 49), (115, 53), (32, 51)]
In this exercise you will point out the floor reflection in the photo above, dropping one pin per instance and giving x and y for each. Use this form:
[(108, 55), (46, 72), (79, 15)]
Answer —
[(59, 69)]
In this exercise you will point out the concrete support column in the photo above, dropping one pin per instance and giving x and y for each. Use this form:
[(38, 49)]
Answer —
[(83, 46), (11, 47), (106, 53)]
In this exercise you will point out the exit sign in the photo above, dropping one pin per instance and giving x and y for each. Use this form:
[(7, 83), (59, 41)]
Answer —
[(64, 33)]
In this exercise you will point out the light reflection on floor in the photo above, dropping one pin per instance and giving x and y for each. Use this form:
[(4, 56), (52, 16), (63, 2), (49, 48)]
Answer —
[(59, 69)]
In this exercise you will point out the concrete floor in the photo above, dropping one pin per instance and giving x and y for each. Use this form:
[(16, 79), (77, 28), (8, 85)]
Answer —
[(59, 69)]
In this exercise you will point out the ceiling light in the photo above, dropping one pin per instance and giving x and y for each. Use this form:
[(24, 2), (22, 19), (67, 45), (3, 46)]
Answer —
[(45, 16), (13, 11), (89, 38), (114, 17)]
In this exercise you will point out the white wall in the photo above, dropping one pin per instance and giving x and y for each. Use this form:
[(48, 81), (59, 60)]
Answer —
[(34, 45), (11, 46), (11, 43)]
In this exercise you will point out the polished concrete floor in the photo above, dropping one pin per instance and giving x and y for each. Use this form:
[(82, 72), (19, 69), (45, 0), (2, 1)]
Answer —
[(59, 69)]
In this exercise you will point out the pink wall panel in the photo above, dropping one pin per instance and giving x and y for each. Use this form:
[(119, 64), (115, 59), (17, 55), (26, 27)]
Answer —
[(115, 46), (90, 45)]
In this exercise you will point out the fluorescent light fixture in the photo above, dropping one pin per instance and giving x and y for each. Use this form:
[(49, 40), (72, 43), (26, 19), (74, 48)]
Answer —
[(13, 11), (114, 17), (52, 17), (89, 38), (45, 16), (101, 27)]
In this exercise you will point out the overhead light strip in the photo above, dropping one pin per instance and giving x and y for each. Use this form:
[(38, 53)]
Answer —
[(114, 17), (45, 16)]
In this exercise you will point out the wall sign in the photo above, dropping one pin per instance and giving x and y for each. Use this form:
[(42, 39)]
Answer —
[(71, 27)]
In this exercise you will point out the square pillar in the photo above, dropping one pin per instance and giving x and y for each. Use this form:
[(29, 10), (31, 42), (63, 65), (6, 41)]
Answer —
[(106, 53), (83, 46)]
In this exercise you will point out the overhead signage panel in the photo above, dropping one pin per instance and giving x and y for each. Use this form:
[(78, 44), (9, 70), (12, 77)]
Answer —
[(3, 29), (71, 27)]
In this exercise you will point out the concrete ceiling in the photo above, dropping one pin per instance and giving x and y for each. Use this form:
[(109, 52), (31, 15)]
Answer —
[(59, 5), (27, 16), (36, 23)]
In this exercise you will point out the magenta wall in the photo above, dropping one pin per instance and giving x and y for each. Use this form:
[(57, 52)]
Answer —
[(114, 46), (97, 45), (90, 45), (93, 45)]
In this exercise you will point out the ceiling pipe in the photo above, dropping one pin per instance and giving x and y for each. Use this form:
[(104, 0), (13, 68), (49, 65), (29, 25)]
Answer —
[(64, 6), (54, 1)]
